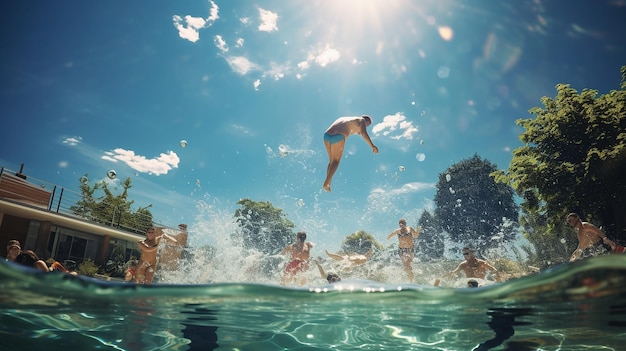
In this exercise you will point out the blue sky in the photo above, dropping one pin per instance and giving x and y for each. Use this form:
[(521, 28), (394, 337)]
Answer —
[(252, 86)]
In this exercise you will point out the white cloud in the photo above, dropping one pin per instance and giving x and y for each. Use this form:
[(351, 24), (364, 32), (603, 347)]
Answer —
[(242, 130), (257, 84), (388, 198), (160, 165), (268, 20), (72, 141), (188, 28), (241, 64), (326, 56), (322, 57), (239, 42), (396, 126), (220, 43), (213, 12)]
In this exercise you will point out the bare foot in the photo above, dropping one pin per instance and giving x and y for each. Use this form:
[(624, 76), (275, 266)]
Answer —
[(327, 187)]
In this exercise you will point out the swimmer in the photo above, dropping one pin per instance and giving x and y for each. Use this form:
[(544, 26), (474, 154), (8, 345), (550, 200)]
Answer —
[(299, 254), (354, 259), (406, 248), (473, 267), (335, 140), (148, 258), (588, 236), (13, 249), (330, 277)]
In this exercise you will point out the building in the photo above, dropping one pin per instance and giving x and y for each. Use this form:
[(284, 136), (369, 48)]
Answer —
[(38, 215)]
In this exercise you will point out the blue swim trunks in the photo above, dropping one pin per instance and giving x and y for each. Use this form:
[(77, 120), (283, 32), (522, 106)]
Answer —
[(333, 139)]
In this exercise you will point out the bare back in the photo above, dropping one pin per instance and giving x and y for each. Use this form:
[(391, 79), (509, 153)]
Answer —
[(347, 126)]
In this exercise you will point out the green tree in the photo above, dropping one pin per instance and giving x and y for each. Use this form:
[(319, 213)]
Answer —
[(573, 159), (429, 243), (264, 227), (111, 209), (472, 207), (360, 242)]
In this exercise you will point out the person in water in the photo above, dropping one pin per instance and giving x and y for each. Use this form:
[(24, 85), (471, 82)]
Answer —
[(473, 267), (148, 254), (335, 141), (589, 236), (13, 249), (330, 277), (406, 248), (29, 258), (170, 254), (353, 259), (299, 255)]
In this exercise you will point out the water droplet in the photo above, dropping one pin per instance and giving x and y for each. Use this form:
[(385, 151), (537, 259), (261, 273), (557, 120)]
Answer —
[(448, 177), (401, 168), (183, 143), (420, 157), (300, 203), (111, 174), (84, 180), (283, 150)]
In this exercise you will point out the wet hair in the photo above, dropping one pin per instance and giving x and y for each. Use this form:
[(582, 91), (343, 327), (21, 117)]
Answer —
[(575, 215), (333, 278), (402, 221), (301, 235), (27, 258)]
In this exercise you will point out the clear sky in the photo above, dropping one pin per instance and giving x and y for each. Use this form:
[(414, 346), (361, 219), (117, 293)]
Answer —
[(251, 86)]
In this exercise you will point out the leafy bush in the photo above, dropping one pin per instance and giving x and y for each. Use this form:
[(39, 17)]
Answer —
[(88, 268)]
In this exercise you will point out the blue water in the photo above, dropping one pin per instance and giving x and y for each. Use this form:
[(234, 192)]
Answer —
[(580, 306)]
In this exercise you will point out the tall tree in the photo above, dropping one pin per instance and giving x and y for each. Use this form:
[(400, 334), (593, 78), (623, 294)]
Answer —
[(472, 207), (111, 209), (574, 158), (430, 243), (264, 227)]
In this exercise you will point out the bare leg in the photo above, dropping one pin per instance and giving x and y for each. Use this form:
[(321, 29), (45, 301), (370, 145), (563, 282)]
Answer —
[(334, 157), (335, 256), (406, 262)]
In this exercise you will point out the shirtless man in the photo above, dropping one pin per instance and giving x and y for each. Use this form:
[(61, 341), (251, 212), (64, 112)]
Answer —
[(473, 267), (406, 249), (170, 254), (335, 140), (148, 257), (588, 236), (299, 254)]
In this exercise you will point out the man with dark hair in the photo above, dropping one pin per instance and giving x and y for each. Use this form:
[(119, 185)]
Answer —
[(299, 254), (473, 267), (589, 236), (335, 141)]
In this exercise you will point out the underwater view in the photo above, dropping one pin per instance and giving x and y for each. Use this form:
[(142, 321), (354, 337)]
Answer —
[(313, 175), (579, 306)]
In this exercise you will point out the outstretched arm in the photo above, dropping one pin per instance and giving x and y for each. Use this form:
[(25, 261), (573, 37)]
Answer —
[(392, 234), (319, 267), (367, 137)]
